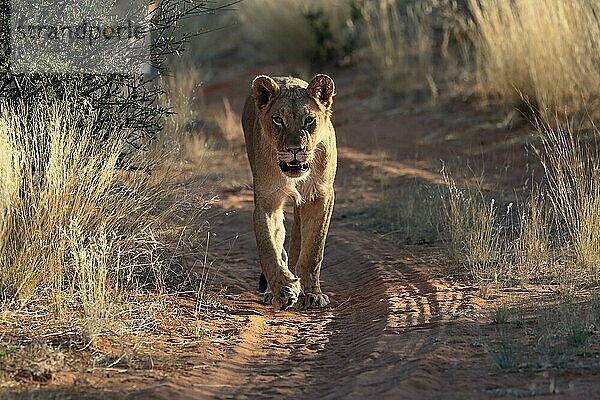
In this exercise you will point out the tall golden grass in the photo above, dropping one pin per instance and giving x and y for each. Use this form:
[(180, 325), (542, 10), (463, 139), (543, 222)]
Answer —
[(70, 220), (532, 247), (539, 54), (194, 130), (182, 95), (416, 46), (547, 52), (570, 160)]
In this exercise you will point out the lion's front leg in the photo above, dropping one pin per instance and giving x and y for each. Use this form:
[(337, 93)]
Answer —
[(315, 217), (270, 234)]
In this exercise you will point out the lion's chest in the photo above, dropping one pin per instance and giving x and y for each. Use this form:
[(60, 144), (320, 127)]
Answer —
[(302, 191)]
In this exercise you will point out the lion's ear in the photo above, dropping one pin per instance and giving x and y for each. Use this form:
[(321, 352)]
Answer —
[(264, 89), (322, 89)]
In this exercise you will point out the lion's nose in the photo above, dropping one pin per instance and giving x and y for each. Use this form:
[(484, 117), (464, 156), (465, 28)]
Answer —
[(295, 150)]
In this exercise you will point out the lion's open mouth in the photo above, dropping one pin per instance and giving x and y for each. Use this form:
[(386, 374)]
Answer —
[(294, 166)]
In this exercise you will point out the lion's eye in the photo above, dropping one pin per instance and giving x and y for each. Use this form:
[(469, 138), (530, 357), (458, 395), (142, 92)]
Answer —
[(309, 121), (278, 121)]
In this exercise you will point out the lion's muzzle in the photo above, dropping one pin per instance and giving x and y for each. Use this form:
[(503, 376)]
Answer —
[(294, 161)]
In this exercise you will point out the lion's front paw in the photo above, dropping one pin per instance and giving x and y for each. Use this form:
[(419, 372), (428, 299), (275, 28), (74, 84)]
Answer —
[(286, 296), (313, 300)]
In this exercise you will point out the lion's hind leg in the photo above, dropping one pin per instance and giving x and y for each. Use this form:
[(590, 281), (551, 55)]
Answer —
[(262, 283)]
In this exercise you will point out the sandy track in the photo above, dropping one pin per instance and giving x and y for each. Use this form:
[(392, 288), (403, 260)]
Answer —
[(381, 337)]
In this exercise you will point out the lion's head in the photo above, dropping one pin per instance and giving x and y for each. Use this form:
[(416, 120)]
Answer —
[(293, 115)]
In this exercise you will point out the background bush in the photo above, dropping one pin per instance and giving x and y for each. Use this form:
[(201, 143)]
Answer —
[(118, 102)]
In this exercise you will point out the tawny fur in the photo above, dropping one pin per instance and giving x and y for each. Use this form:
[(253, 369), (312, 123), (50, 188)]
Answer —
[(297, 279)]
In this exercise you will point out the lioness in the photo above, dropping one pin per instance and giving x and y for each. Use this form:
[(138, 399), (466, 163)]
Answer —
[(290, 142)]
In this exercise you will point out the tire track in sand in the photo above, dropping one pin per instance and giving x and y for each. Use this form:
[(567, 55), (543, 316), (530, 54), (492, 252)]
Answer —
[(379, 337)]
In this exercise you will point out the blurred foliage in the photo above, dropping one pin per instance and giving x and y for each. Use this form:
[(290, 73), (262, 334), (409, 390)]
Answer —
[(333, 45)]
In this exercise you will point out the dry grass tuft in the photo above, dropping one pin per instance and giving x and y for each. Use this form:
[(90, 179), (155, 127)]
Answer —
[(547, 52), (473, 235), (416, 45), (570, 160), (532, 248), (229, 124), (411, 212), (195, 131), (556, 238), (182, 96), (73, 224), (538, 336)]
